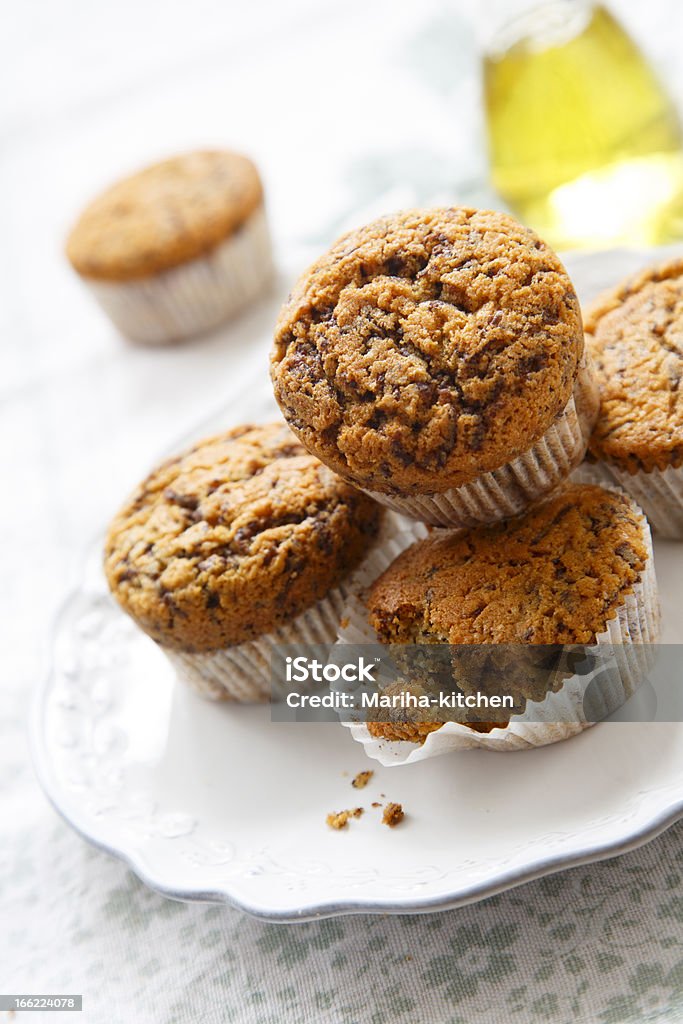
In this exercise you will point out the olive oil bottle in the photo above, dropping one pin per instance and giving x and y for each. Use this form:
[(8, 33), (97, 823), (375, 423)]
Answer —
[(585, 145)]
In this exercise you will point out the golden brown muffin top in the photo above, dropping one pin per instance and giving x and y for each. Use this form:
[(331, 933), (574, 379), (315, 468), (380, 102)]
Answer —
[(233, 538), (554, 576), (635, 336), (426, 348), (164, 215)]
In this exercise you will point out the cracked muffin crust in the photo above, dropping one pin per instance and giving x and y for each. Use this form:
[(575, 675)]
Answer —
[(427, 348), (233, 538), (554, 576), (635, 336), (165, 215)]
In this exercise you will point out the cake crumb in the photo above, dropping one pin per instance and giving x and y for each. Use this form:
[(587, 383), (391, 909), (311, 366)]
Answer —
[(340, 819), (361, 780), (376, 803), (393, 815)]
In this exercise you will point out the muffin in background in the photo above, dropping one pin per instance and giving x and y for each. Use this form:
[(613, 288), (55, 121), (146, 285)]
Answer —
[(574, 573), (435, 358), (176, 248), (635, 337), (242, 542)]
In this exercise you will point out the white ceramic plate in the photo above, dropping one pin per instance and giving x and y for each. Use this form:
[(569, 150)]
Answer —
[(218, 803)]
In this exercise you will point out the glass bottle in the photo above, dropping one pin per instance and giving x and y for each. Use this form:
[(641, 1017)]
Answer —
[(585, 145)]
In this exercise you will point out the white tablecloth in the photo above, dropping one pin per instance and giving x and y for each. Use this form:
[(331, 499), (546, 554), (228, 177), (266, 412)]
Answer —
[(347, 108)]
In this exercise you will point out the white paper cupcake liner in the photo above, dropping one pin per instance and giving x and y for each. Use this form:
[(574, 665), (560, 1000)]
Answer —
[(243, 672), (511, 488), (195, 296), (628, 639), (659, 493)]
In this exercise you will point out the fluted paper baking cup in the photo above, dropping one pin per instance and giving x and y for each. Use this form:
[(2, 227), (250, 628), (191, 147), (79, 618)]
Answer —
[(659, 493), (629, 637), (511, 488), (243, 672), (195, 296)]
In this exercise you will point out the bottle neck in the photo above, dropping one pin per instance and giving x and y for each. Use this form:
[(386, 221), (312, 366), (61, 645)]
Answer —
[(534, 24)]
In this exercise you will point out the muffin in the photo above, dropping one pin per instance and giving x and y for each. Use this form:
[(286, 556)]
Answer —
[(529, 599), (635, 336), (177, 248), (435, 358), (239, 543)]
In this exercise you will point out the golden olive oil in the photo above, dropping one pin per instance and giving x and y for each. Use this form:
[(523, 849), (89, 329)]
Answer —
[(585, 145)]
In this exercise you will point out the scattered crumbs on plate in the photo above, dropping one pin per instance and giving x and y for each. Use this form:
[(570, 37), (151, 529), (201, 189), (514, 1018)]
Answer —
[(340, 819), (376, 803), (361, 780), (393, 815)]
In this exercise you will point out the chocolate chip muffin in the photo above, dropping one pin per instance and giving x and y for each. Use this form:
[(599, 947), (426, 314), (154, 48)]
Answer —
[(435, 358), (241, 542), (176, 248), (635, 336), (524, 600)]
